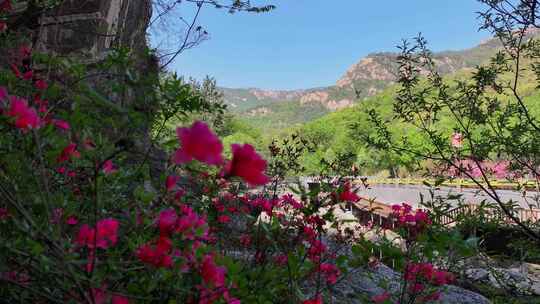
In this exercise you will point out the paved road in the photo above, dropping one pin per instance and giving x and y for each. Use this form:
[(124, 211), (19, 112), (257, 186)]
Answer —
[(395, 194)]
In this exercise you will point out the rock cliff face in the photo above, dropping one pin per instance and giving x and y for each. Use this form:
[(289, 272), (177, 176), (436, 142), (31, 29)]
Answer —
[(280, 95), (375, 67), (89, 29)]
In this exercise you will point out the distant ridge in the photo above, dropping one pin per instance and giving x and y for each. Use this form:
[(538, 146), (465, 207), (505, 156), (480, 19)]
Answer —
[(368, 77)]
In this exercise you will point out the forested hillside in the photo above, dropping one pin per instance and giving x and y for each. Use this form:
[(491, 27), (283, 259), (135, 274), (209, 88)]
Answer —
[(269, 109), (338, 132)]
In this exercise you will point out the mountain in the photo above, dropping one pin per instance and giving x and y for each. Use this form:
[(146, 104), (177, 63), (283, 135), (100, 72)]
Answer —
[(368, 77)]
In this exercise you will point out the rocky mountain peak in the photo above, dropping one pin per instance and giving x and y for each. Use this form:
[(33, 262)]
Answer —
[(373, 67)]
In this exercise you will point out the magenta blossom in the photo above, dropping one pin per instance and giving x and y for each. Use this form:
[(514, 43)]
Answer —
[(248, 165), (25, 117), (199, 143)]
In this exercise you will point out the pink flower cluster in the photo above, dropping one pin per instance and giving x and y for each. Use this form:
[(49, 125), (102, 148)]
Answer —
[(157, 255), (289, 200), (189, 226), (347, 195), (406, 217), (200, 143), (330, 271), (24, 116), (420, 275), (104, 236), (415, 272), (500, 169), (69, 152)]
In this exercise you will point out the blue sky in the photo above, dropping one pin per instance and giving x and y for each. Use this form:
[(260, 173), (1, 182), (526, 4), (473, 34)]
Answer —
[(311, 43)]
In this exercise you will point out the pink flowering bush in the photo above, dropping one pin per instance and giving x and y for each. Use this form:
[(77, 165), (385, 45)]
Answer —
[(86, 229), (423, 275)]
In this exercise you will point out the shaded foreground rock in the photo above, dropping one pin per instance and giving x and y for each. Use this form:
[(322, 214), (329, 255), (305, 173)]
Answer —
[(363, 284), (522, 280)]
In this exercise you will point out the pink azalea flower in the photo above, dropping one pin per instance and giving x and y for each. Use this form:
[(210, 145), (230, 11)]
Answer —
[(107, 231), (248, 165), (20, 277), (309, 233), (25, 117), (212, 274), (199, 143), (104, 237), (167, 221), (316, 250), (245, 240), (108, 167), (347, 195), (43, 104), (330, 271), (117, 299), (417, 288), (99, 295), (68, 152), (25, 51), (72, 220), (41, 85), (158, 255), (281, 260), (288, 199), (421, 218), (61, 124), (317, 300), (442, 277), (406, 208), (223, 219), (189, 223), (178, 195), (170, 182), (28, 75)]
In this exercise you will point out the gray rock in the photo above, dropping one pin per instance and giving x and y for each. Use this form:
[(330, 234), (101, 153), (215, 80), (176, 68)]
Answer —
[(520, 280), (457, 295), (477, 274), (366, 283)]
